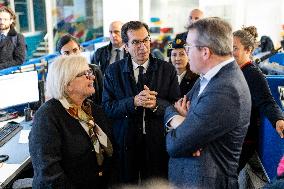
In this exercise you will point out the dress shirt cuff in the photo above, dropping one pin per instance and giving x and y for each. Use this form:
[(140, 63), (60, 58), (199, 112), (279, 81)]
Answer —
[(167, 125)]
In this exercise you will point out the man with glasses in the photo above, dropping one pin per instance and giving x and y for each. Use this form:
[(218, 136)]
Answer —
[(112, 52), (209, 124), (137, 89), (12, 43)]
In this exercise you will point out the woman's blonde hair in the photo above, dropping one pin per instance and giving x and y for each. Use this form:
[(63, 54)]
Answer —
[(63, 70)]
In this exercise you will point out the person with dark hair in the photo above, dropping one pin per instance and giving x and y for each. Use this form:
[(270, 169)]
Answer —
[(137, 89), (68, 45), (179, 58), (112, 52), (12, 43), (245, 40), (194, 15), (266, 44), (207, 127)]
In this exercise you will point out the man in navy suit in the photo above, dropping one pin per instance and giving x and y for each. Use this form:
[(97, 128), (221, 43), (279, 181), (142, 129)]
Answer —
[(208, 125)]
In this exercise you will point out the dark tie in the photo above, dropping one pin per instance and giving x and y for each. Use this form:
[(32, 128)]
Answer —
[(117, 57), (140, 81)]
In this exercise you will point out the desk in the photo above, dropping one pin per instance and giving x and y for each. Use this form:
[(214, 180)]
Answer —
[(19, 156)]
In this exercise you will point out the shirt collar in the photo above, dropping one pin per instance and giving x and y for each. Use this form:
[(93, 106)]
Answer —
[(135, 65), (120, 48), (181, 76), (213, 71)]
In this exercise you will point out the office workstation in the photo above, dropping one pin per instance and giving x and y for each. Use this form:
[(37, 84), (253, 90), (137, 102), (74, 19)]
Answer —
[(91, 29), (14, 130)]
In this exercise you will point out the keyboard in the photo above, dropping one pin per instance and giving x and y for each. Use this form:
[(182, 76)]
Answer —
[(8, 131)]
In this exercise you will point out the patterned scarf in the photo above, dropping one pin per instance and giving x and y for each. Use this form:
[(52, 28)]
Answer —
[(101, 142)]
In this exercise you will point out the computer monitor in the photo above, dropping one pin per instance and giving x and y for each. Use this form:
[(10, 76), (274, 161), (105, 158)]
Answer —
[(19, 88)]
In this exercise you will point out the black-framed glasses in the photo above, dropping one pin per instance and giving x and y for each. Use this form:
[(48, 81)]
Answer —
[(88, 73), (139, 42)]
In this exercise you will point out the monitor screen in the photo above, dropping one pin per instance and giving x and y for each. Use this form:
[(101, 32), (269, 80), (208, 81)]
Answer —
[(19, 88)]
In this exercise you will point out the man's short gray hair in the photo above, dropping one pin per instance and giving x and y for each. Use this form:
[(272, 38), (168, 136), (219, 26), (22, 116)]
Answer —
[(63, 70), (215, 33)]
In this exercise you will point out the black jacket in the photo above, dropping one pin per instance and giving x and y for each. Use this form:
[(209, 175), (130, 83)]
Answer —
[(62, 152), (187, 82), (98, 84), (263, 103), (118, 102), (12, 53), (102, 57)]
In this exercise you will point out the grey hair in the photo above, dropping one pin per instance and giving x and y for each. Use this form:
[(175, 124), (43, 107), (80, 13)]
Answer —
[(215, 33), (63, 70)]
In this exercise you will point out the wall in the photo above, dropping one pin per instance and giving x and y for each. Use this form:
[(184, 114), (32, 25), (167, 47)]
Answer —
[(267, 16), (123, 10), (173, 13), (32, 41)]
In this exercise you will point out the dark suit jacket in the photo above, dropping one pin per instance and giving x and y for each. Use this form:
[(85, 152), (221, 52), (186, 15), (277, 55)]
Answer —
[(217, 123), (12, 53), (102, 57), (118, 102)]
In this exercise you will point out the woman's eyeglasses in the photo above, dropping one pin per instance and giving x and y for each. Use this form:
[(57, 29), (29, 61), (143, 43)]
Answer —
[(88, 73)]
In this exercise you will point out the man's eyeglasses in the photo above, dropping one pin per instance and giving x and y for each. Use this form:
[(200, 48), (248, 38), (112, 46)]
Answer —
[(139, 42), (88, 73), (188, 46)]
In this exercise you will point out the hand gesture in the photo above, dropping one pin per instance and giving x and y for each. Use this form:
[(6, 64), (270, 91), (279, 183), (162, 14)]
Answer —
[(146, 98), (182, 106), (280, 127)]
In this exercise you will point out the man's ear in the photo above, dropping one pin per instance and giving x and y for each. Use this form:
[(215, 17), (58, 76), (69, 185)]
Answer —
[(206, 53), (126, 47)]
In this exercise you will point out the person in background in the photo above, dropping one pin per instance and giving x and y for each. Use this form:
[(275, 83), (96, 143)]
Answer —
[(112, 52), (207, 127), (12, 43), (179, 58), (69, 142), (69, 45), (194, 15), (137, 89), (266, 44), (262, 100)]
